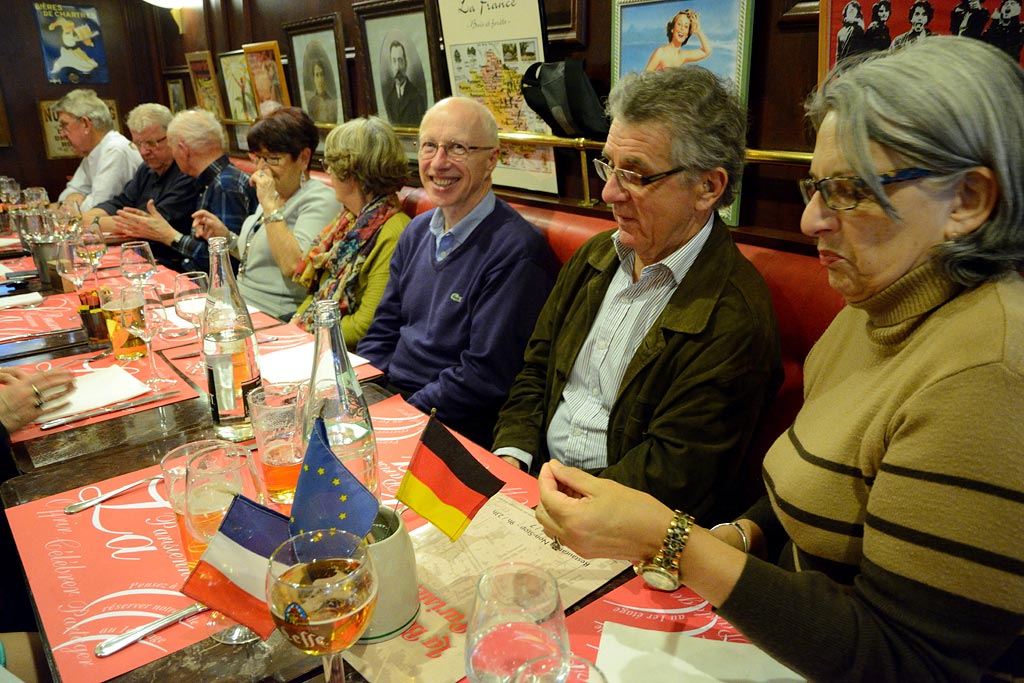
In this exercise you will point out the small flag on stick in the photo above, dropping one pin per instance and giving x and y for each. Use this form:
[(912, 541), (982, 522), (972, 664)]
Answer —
[(327, 495), (232, 573), (444, 483)]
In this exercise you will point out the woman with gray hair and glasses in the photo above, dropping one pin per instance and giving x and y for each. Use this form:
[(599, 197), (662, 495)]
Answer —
[(888, 547)]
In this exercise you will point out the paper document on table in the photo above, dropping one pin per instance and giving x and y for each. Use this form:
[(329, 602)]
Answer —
[(433, 648), (294, 364), (6, 242), (97, 389), (629, 654)]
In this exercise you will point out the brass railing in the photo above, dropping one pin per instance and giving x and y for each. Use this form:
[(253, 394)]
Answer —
[(753, 156)]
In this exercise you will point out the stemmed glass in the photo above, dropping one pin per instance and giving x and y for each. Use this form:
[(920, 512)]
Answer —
[(322, 590), (142, 314), (68, 216), (35, 197), (70, 264), (213, 476), (190, 302), (517, 618), (10, 191), (137, 263), (92, 246)]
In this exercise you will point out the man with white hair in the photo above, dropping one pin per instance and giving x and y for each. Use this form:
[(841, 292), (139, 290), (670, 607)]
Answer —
[(196, 141), (158, 181), (108, 159)]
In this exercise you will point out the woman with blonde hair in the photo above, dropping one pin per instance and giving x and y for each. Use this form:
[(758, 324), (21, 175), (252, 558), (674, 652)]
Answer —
[(350, 260)]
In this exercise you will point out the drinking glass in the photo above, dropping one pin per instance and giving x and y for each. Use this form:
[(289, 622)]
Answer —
[(189, 303), (557, 669), (137, 263), (517, 617), (70, 264), (213, 476), (275, 421), (174, 466), (35, 197), (92, 246), (142, 314), (11, 190), (68, 216), (322, 590)]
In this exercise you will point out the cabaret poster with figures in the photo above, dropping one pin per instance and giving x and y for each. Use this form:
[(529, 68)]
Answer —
[(72, 44), (204, 82), (488, 47), (650, 35), (850, 27)]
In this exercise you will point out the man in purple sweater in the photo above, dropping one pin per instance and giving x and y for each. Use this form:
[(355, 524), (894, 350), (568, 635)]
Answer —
[(467, 280)]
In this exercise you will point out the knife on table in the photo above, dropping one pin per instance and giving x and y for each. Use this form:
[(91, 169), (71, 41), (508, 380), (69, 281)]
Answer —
[(61, 421)]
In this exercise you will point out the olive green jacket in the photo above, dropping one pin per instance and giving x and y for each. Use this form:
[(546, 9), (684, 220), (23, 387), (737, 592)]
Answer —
[(692, 394)]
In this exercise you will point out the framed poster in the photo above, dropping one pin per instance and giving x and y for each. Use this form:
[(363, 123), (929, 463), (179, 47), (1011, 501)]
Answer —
[(398, 60), (204, 82), (317, 48), (648, 35), (56, 146), (176, 95), (488, 48), (234, 75), (849, 27), (72, 44), (267, 74)]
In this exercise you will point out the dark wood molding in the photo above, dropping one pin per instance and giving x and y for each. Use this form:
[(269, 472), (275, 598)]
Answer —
[(569, 24)]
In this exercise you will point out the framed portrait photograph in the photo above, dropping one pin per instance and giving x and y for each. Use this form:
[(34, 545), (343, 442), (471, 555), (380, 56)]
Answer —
[(204, 82), (400, 58), (317, 49), (234, 74), (850, 27), (649, 35), (267, 75), (176, 95)]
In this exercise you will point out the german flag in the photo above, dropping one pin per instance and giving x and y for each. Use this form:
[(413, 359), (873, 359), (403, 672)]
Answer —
[(444, 483)]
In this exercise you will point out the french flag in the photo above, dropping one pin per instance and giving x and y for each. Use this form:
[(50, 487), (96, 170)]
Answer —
[(232, 573)]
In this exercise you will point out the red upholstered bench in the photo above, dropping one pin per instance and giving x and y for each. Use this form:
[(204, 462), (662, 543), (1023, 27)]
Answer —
[(804, 306)]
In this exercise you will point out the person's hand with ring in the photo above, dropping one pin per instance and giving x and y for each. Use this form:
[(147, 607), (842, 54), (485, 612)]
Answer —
[(30, 395)]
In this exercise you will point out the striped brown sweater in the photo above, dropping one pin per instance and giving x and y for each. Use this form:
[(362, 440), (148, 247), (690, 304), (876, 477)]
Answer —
[(902, 483)]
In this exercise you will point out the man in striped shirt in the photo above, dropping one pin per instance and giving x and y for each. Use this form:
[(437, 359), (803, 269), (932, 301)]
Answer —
[(657, 349)]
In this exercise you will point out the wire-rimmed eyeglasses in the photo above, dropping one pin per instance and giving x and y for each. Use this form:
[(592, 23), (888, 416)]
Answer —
[(456, 151)]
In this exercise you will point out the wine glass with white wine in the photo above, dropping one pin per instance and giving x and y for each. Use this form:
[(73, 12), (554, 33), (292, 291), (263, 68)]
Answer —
[(142, 314), (322, 590)]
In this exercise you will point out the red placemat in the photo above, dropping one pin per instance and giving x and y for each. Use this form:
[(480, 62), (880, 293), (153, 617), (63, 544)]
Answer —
[(139, 368), (55, 314), (634, 604), (103, 571)]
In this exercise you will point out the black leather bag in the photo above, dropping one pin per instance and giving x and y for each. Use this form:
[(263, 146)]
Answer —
[(564, 97)]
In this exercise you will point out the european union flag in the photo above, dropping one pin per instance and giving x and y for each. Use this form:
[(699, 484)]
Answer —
[(327, 495)]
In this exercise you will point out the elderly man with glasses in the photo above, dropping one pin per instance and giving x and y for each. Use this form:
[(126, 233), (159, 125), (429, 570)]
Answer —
[(657, 350), (108, 160), (158, 185), (467, 280)]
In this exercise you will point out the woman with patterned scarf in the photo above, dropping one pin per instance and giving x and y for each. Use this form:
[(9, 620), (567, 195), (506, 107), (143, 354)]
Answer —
[(350, 260)]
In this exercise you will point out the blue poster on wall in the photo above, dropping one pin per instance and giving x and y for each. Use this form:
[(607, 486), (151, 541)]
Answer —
[(72, 44)]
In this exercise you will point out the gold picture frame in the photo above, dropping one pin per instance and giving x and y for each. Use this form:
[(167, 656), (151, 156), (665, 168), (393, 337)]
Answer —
[(204, 82), (267, 75)]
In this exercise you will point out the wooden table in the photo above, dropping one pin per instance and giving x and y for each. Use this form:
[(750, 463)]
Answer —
[(130, 443)]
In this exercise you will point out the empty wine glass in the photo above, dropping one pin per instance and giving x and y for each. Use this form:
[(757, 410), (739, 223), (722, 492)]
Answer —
[(137, 263), (557, 669), (10, 190), (35, 197), (517, 618), (213, 476), (70, 264), (142, 314), (322, 590), (190, 302), (68, 216)]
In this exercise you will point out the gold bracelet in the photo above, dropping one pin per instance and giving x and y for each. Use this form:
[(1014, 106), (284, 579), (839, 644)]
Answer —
[(739, 530)]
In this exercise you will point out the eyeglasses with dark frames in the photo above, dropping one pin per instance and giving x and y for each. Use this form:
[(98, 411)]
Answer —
[(148, 144), (631, 178), (842, 193), (456, 151), (268, 159)]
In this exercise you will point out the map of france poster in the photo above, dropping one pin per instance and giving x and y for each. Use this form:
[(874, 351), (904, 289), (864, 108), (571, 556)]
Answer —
[(488, 46)]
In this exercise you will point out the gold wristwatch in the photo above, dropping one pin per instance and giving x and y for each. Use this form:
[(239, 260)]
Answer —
[(662, 571)]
